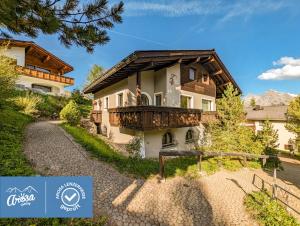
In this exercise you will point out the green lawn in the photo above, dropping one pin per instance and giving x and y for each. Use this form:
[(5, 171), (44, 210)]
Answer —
[(14, 163), (185, 166), (267, 211), (12, 160)]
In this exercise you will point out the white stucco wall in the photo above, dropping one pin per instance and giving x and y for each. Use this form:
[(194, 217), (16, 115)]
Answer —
[(57, 88), (283, 134), (153, 140), (17, 53)]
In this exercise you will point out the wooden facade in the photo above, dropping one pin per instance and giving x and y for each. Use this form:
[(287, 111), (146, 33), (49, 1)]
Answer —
[(153, 117), (203, 83)]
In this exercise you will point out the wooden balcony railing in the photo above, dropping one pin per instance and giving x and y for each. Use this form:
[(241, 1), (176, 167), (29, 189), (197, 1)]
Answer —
[(153, 117), (96, 116), (43, 75)]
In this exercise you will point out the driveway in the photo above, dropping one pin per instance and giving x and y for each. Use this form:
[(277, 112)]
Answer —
[(211, 200)]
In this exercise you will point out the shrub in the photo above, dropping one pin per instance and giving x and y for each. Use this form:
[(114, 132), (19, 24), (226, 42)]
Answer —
[(70, 113), (268, 211), (28, 104), (8, 75), (134, 147)]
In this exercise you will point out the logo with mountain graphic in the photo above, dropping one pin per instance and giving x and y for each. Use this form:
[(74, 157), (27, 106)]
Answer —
[(22, 197)]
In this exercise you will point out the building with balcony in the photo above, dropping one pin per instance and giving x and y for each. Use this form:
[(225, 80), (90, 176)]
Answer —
[(163, 97), (39, 69)]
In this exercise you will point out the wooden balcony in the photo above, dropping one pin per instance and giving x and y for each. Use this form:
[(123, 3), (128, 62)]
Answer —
[(153, 117), (43, 75), (96, 116)]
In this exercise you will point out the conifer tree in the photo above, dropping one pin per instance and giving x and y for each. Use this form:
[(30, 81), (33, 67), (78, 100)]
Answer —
[(74, 22), (268, 136), (293, 119)]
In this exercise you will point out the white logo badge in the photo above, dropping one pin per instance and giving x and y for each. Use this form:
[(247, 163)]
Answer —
[(21, 197), (70, 195)]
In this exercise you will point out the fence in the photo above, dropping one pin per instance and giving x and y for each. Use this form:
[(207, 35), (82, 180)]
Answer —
[(290, 200)]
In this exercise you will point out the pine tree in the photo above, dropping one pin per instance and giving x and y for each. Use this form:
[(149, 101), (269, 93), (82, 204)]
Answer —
[(293, 119), (268, 136), (82, 24), (228, 133), (252, 102), (94, 73)]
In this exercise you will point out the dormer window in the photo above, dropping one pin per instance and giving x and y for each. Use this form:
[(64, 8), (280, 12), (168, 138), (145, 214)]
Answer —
[(192, 73)]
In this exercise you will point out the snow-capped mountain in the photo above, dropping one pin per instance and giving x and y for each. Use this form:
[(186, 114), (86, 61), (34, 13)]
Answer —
[(269, 98)]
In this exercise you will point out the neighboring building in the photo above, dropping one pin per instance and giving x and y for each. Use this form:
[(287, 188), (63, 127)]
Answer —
[(40, 70), (163, 97), (277, 116)]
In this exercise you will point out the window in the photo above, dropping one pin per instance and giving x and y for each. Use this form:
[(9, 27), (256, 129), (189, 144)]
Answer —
[(192, 73), (167, 139), (144, 99), (206, 105), (185, 101), (46, 89), (106, 104), (189, 136), (38, 68), (120, 99), (158, 99), (205, 78)]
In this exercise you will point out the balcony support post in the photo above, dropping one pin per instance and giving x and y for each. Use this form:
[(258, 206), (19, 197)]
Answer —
[(138, 89)]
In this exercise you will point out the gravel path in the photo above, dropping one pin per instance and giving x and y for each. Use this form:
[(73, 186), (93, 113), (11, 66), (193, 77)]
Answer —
[(212, 200)]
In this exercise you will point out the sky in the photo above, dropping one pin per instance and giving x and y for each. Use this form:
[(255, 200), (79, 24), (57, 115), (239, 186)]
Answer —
[(257, 40)]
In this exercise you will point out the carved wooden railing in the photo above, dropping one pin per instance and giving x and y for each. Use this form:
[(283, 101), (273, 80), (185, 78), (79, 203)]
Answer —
[(153, 117), (44, 75), (96, 116)]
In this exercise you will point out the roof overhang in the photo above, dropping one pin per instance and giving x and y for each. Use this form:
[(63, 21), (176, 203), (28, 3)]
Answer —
[(31, 47), (158, 59)]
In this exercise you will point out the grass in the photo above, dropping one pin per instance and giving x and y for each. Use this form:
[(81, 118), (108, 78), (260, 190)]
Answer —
[(13, 163), (184, 166), (12, 160), (268, 211)]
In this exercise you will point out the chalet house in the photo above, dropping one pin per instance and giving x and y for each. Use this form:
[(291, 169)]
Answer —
[(39, 69), (277, 117), (163, 97)]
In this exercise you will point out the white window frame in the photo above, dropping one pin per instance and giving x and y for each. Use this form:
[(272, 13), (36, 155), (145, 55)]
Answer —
[(106, 103), (211, 104), (192, 99), (156, 94), (149, 97), (195, 72), (117, 99)]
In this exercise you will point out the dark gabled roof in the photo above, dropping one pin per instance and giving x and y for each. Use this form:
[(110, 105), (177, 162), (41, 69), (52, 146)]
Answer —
[(273, 113), (157, 59), (30, 44)]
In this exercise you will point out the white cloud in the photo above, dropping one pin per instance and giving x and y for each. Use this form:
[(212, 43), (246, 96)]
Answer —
[(289, 68), (224, 10)]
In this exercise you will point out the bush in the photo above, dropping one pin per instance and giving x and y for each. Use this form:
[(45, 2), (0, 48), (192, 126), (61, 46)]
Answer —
[(267, 211), (70, 113), (8, 76), (134, 147), (28, 104)]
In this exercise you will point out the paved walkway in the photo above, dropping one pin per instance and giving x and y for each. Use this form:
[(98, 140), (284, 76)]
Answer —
[(212, 200)]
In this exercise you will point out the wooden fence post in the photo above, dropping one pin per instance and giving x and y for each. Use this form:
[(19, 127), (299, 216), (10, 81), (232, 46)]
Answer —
[(274, 184), (161, 166), (199, 162)]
